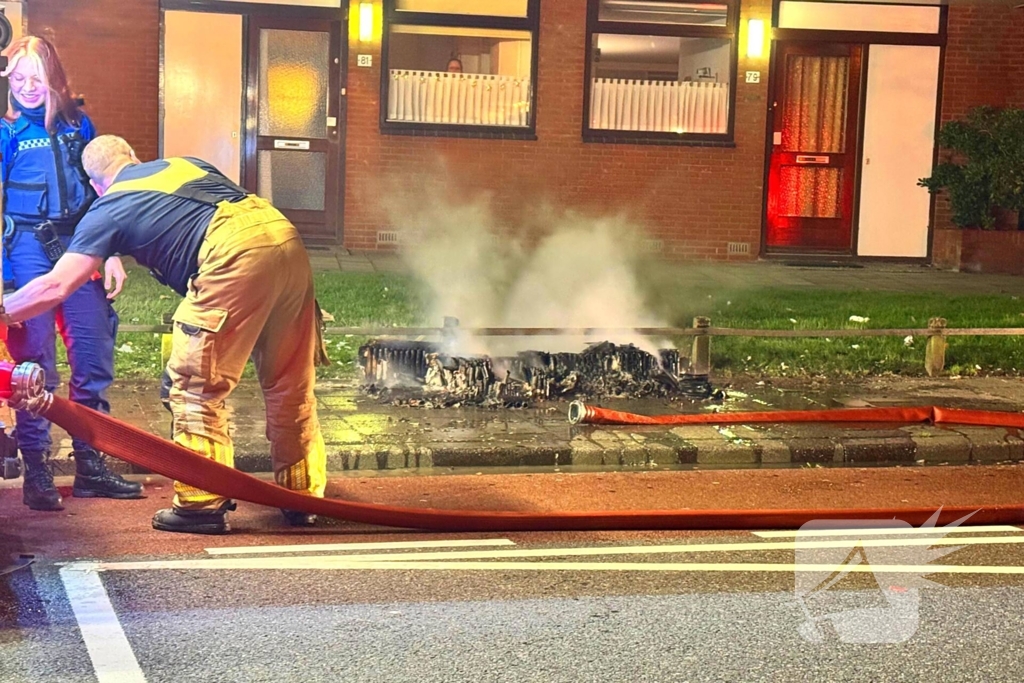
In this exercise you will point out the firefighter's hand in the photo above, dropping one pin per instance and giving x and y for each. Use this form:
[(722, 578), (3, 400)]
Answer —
[(5, 320), (114, 276)]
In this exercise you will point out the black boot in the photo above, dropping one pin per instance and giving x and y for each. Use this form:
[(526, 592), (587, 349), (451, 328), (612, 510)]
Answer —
[(94, 480), (296, 518), (195, 521), (38, 491)]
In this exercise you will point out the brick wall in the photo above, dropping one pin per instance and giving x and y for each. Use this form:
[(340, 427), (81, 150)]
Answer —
[(111, 51), (984, 66), (694, 199)]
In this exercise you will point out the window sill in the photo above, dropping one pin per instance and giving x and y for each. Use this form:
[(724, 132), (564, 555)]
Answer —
[(631, 138), (457, 131)]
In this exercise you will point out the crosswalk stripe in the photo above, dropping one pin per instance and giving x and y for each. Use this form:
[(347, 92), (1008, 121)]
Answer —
[(112, 657), (519, 553)]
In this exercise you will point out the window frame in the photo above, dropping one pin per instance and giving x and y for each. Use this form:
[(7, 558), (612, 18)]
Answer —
[(728, 32), (531, 23)]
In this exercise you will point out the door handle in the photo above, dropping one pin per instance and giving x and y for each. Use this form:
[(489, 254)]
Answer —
[(809, 159)]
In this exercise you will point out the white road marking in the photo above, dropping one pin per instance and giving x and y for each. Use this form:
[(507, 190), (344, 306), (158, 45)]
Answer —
[(902, 531), (331, 547), (921, 570), (111, 654), (349, 563), (404, 558)]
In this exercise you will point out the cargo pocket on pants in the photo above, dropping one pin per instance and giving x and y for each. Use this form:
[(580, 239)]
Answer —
[(195, 329)]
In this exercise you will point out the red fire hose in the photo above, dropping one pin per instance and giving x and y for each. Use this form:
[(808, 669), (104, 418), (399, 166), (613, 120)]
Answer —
[(580, 413), (171, 460)]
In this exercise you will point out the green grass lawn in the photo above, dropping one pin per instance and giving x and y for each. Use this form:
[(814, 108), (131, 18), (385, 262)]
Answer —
[(379, 299)]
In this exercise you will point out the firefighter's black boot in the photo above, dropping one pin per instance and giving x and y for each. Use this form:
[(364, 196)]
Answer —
[(195, 521), (296, 518), (94, 480), (38, 491)]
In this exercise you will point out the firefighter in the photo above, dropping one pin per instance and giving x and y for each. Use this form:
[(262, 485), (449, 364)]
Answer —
[(248, 289), (46, 192)]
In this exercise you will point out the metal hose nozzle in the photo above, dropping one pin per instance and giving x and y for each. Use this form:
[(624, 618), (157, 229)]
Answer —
[(27, 383)]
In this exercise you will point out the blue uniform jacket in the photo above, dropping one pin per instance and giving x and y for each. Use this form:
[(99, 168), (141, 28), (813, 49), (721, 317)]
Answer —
[(38, 184)]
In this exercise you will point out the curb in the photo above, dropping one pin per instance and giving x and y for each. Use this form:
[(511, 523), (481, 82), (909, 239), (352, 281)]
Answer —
[(680, 447)]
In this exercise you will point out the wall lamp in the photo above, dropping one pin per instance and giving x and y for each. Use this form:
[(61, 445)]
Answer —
[(755, 38), (365, 21)]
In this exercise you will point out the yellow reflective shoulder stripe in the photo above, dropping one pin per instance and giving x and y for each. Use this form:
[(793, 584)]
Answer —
[(168, 181)]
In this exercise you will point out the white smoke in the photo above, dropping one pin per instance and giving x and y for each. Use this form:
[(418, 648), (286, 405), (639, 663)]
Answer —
[(559, 270)]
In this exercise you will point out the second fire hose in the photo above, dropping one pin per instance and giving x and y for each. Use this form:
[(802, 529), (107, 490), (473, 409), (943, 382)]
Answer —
[(23, 387)]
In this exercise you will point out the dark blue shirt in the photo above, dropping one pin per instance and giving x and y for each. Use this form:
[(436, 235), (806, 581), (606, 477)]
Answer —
[(157, 212)]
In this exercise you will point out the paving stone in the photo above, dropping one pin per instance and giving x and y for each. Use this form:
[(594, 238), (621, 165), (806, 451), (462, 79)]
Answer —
[(811, 451), (773, 452), (991, 445), (858, 451), (936, 445), (583, 451)]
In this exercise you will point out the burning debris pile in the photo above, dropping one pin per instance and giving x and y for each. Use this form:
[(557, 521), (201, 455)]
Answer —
[(421, 374)]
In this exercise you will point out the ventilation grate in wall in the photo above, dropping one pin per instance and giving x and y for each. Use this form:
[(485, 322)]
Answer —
[(739, 248)]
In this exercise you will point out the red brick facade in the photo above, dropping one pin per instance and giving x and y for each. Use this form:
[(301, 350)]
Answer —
[(111, 50), (693, 199), (984, 66), (984, 56)]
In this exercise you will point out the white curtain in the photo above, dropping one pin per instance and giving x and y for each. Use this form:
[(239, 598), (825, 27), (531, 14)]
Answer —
[(470, 99), (660, 106)]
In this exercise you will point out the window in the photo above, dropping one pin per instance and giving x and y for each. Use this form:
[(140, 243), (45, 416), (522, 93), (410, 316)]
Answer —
[(660, 70), (460, 66)]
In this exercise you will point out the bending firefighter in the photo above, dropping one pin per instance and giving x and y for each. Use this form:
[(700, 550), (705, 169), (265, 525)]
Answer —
[(46, 192), (248, 291)]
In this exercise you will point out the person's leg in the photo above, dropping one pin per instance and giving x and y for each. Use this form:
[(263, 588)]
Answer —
[(34, 342), (284, 358), (215, 329), (89, 328)]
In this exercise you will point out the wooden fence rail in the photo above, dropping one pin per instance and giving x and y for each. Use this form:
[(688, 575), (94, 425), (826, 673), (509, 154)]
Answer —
[(701, 332)]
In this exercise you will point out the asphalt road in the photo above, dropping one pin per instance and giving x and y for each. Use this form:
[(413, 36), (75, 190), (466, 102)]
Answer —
[(108, 599)]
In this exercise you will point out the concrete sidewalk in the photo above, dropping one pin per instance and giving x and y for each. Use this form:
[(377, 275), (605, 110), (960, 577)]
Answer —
[(817, 274), (364, 435)]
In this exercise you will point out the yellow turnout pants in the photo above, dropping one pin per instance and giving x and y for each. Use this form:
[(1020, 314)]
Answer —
[(252, 296)]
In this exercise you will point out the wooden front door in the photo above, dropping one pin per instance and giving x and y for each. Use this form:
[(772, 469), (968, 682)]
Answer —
[(813, 162)]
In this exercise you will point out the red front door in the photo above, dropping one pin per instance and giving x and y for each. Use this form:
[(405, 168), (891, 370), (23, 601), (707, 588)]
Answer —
[(812, 168)]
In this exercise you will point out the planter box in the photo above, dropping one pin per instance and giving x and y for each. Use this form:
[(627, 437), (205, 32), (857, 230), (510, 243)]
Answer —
[(972, 250), (979, 251)]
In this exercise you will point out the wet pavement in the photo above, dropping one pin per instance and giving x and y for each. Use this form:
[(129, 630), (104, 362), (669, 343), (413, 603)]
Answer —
[(364, 435)]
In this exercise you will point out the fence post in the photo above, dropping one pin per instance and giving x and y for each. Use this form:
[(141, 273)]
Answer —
[(700, 359), (935, 350), (450, 333)]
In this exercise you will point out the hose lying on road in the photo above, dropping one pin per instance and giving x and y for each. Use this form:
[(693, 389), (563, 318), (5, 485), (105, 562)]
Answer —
[(149, 451), (171, 460)]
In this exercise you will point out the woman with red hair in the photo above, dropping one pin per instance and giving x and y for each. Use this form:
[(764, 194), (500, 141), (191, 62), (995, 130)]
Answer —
[(46, 193)]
